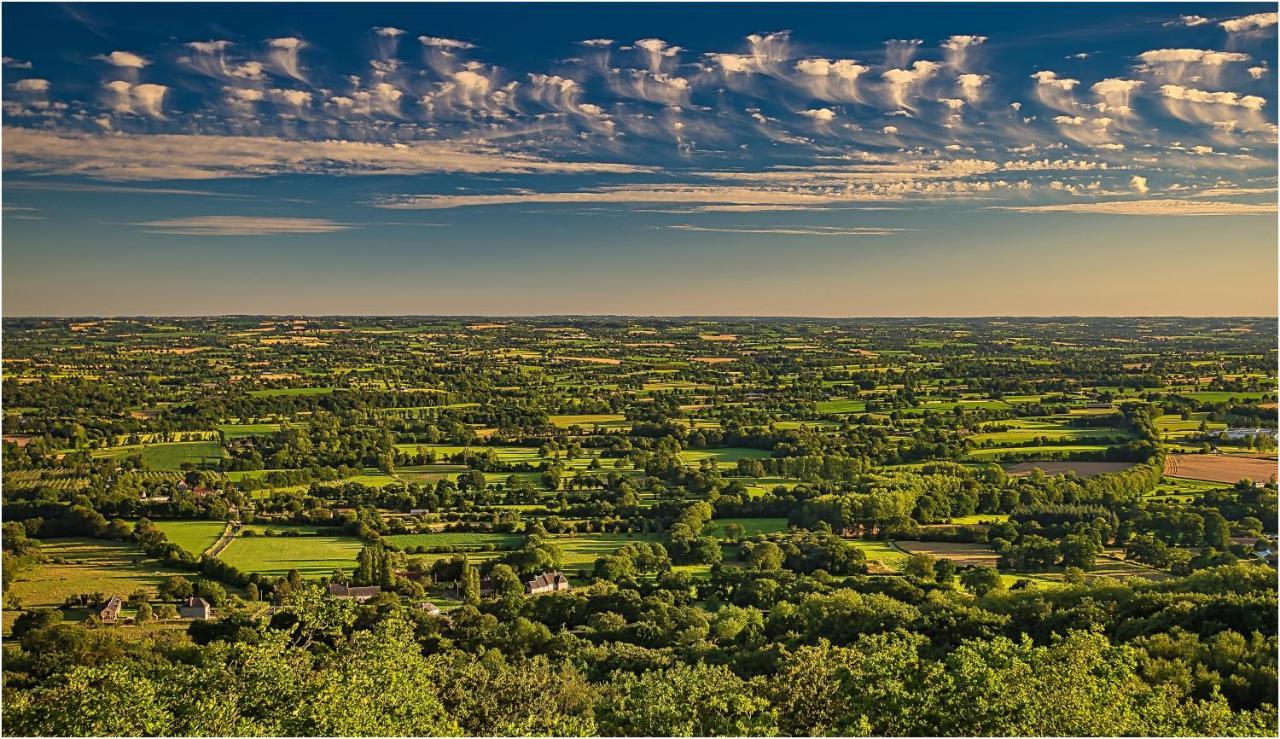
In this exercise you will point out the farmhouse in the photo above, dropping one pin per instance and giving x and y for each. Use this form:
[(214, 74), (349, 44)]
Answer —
[(111, 611), (357, 593), (197, 608), (548, 582)]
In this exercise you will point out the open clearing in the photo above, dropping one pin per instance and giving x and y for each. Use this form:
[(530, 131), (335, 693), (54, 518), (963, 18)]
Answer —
[(193, 536), (455, 539), (167, 456), (750, 526), (1083, 469), (313, 554), (961, 553), (1219, 467), (89, 566)]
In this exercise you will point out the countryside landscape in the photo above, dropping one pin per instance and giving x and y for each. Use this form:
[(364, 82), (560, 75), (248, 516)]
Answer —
[(639, 369), (731, 504)]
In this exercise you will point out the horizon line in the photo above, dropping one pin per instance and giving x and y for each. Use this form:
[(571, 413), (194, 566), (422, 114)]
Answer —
[(663, 316)]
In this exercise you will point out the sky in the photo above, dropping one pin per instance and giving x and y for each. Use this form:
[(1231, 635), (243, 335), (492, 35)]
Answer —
[(840, 160)]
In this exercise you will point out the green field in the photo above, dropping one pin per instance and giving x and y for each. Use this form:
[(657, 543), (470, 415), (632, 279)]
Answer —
[(89, 566), (167, 456), (1031, 429), (455, 539), (237, 430), (846, 405), (725, 456), (313, 554), (880, 551), (581, 550), (1023, 450), (750, 526), (589, 419), (292, 391), (193, 536)]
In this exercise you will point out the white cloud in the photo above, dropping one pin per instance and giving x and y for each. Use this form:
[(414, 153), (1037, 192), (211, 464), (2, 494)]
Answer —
[(971, 86), (123, 59), (830, 80), (198, 157), (145, 99), (792, 230), (656, 52), (31, 85), (597, 42), (1191, 56), (388, 31), (1190, 21), (444, 43), (957, 49), (821, 115), (1138, 184), (1248, 23), (903, 81), (1054, 91), (241, 226), (12, 63), (283, 55), (1115, 93), (1178, 92), (1152, 207)]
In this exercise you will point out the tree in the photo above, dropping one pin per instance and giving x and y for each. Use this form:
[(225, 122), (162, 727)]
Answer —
[(143, 613), (733, 531), (981, 580), (1079, 550), (470, 585), (922, 567), (175, 587), (212, 592), (766, 557)]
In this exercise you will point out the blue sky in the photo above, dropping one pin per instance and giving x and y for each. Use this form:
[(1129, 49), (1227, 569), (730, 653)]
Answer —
[(763, 159)]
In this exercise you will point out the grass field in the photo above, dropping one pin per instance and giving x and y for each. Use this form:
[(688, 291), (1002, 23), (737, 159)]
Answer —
[(313, 554), (750, 526), (193, 536), (994, 454), (846, 405), (1030, 429), (167, 456), (880, 551), (589, 419), (291, 391), (88, 566), (454, 539), (1083, 469), (725, 456), (582, 550), (237, 430)]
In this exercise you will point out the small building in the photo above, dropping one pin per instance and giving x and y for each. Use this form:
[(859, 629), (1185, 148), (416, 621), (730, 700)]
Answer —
[(197, 608), (110, 613), (430, 608), (358, 593), (548, 582)]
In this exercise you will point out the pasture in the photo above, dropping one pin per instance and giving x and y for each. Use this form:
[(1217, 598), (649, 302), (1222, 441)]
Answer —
[(314, 553), (89, 566), (471, 540), (193, 536), (1082, 469), (167, 456)]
